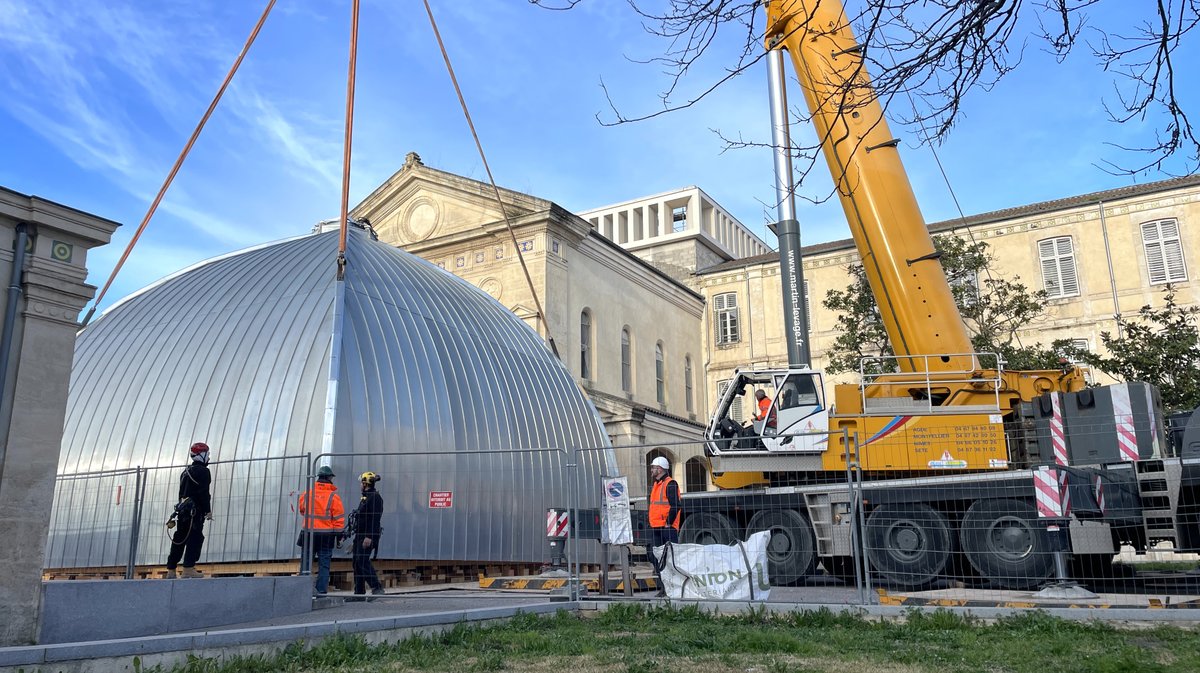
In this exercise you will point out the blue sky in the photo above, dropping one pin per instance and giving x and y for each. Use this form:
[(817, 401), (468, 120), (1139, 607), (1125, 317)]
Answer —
[(97, 98)]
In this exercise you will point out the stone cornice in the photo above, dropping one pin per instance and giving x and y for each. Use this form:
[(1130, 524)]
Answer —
[(87, 229), (53, 295)]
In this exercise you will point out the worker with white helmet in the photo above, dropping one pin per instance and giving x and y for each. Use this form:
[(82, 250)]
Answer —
[(665, 507)]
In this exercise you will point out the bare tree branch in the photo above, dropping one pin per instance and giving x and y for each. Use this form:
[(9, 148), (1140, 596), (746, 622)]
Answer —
[(935, 53)]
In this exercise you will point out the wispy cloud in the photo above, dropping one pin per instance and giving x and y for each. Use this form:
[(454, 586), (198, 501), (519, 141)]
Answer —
[(305, 140), (114, 87)]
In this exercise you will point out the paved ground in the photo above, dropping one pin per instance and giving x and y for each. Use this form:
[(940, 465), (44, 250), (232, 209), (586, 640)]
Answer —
[(341, 606)]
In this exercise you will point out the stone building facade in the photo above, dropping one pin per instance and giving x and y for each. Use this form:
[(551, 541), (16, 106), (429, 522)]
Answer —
[(652, 303), (1095, 255), (627, 330), (46, 244)]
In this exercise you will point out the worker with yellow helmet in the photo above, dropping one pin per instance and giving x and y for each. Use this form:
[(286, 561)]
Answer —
[(367, 530)]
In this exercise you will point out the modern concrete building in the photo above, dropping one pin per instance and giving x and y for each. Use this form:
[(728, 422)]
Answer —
[(43, 260), (679, 232)]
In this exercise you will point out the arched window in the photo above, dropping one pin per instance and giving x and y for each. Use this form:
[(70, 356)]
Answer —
[(585, 344), (695, 475), (660, 374), (687, 383), (626, 361)]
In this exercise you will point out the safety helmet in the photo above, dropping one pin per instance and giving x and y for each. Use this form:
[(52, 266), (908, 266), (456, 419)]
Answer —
[(661, 462), (199, 452), (325, 471), (369, 477)]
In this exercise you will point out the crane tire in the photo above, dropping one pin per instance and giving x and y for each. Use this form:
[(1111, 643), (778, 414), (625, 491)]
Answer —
[(792, 551), (1005, 544), (908, 544), (707, 528)]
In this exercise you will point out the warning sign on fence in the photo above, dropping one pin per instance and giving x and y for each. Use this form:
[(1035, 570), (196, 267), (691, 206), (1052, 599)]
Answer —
[(441, 499), (616, 526)]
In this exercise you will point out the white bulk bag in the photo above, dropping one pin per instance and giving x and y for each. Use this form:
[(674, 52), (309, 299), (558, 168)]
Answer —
[(737, 572)]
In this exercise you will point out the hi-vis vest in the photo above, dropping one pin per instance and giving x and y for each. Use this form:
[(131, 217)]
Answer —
[(326, 513), (659, 507)]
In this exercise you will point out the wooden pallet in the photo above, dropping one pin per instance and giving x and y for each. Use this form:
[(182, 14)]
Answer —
[(393, 573)]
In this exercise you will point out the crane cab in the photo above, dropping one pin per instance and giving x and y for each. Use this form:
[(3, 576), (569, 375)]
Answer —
[(792, 416)]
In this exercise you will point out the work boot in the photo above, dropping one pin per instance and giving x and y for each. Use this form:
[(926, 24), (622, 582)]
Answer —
[(170, 574), (191, 572)]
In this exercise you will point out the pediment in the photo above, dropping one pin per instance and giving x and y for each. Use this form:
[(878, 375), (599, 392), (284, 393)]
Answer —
[(420, 204)]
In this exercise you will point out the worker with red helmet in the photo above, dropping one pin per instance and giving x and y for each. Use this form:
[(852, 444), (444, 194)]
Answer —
[(191, 511)]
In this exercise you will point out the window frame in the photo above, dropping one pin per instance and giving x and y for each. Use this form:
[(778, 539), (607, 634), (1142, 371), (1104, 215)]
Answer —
[(1063, 264), (660, 373), (736, 411), (727, 318), (626, 360), (688, 389), (1162, 241), (585, 344)]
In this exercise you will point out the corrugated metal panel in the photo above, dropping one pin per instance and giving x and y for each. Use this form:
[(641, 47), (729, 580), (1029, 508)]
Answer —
[(234, 352)]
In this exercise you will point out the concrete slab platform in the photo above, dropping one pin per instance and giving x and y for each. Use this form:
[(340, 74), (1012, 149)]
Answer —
[(92, 610)]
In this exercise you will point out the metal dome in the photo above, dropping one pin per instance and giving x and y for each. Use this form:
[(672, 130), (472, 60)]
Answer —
[(452, 387)]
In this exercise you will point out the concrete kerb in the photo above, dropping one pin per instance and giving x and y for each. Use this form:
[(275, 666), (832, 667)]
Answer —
[(174, 649), (898, 612)]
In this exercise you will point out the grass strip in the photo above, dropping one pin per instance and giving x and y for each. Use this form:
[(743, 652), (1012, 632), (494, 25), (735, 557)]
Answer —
[(632, 638)]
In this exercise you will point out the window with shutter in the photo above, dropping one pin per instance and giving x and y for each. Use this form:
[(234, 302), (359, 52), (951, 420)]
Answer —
[(1164, 251), (725, 318), (1059, 277), (735, 408)]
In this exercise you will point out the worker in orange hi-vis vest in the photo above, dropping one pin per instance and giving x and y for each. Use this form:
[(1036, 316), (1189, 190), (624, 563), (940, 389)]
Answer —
[(325, 517), (765, 411), (664, 513)]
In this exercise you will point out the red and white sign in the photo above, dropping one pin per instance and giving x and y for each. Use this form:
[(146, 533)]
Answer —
[(556, 523), (441, 499), (1098, 489), (1049, 493), (1123, 415), (1058, 438)]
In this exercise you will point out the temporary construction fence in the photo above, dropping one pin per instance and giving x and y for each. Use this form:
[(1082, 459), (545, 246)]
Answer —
[(488, 506), (937, 529), (102, 520), (481, 511), (940, 532)]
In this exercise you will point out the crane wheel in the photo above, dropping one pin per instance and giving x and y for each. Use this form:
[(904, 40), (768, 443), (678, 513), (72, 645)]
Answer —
[(908, 544), (1004, 543), (707, 528), (792, 551)]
